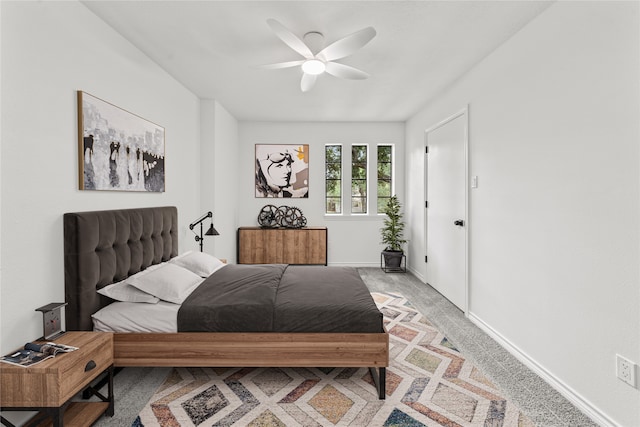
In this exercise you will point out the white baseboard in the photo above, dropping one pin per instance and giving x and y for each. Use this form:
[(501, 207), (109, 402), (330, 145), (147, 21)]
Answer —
[(418, 275), (570, 394)]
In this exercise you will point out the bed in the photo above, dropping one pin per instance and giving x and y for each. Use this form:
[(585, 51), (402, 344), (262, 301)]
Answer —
[(103, 247)]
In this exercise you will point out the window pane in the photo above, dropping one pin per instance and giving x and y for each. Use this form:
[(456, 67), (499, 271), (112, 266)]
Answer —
[(384, 171), (359, 154), (333, 153), (333, 205), (382, 204), (358, 172), (359, 205), (333, 171), (333, 187), (359, 188), (359, 179), (384, 189), (384, 154), (333, 179), (385, 175)]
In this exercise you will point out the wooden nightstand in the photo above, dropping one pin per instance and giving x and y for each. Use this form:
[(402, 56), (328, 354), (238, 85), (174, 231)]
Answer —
[(49, 386)]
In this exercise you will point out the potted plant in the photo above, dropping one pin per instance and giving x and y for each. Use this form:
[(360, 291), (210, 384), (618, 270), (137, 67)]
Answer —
[(392, 235)]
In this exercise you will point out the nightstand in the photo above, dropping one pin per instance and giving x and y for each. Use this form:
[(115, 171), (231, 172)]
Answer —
[(49, 386)]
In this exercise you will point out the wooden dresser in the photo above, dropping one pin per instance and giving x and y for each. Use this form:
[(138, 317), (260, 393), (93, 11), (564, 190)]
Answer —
[(49, 385), (307, 245)]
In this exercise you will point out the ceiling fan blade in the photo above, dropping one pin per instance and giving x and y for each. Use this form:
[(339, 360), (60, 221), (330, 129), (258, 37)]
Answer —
[(290, 39), (307, 82), (345, 71), (281, 65), (347, 45)]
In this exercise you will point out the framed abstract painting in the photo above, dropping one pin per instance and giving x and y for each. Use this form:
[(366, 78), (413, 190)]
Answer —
[(282, 170), (118, 150)]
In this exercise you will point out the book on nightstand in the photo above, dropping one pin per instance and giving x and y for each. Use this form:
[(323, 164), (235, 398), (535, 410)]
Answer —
[(33, 353)]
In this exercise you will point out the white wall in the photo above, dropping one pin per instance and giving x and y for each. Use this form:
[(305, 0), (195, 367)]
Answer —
[(219, 165), (49, 51), (225, 166), (555, 220), (207, 176), (350, 241)]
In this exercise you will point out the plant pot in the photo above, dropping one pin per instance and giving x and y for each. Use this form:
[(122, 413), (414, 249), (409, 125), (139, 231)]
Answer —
[(392, 259)]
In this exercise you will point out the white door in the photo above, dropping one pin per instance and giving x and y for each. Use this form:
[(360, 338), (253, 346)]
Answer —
[(446, 208)]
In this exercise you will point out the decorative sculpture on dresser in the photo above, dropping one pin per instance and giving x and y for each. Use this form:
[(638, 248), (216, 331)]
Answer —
[(283, 216)]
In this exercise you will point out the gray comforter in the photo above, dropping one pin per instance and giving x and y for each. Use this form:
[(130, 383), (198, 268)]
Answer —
[(281, 298)]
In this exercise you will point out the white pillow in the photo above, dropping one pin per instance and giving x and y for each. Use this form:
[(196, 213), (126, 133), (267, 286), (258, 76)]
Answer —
[(169, 283), (200, 263), (122, 291)]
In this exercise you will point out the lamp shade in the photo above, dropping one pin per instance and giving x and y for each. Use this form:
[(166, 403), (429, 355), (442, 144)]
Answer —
[(212, 231)]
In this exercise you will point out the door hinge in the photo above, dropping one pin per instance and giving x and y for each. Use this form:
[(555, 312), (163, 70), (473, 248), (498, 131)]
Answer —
[(426, 149), (425, 258), (426, 204)]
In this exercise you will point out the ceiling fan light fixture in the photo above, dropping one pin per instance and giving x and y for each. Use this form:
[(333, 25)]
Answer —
[(318, 59), (313, 66)]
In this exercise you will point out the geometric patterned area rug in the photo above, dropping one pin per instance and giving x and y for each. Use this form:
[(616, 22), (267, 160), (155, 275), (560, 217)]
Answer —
[(429, 383)]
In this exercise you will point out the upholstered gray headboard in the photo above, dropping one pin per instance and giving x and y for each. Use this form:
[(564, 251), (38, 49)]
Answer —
[(103, 247)]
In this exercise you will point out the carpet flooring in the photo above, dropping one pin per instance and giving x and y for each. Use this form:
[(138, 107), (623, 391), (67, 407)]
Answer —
[(429, 383)]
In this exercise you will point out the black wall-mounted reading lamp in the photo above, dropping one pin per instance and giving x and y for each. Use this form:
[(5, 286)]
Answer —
[(210, 232)]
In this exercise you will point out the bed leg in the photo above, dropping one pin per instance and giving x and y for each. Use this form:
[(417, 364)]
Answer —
[(383, 383), (380, 380)]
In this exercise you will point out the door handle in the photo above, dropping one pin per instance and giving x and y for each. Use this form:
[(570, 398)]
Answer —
[(459, 223)]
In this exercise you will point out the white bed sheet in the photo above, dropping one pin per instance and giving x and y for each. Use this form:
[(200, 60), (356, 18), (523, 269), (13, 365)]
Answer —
[(137, 317)]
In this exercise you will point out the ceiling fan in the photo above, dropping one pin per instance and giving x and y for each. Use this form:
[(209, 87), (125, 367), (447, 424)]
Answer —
[(318, 60)]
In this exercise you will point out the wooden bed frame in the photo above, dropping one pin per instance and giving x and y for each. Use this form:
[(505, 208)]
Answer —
[(103, 247)]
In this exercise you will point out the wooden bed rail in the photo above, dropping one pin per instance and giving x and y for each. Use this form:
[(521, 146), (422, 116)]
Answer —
[(269, 349), (251, 349)]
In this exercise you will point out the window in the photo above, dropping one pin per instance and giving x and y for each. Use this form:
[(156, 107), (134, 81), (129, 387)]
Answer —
[(385, 174), (333, 179), (353, 181), (358, 179)]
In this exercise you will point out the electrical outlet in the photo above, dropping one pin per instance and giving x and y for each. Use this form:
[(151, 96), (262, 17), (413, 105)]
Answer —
[(626, 370)]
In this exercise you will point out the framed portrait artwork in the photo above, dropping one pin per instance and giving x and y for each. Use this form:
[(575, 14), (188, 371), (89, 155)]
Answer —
[(282, 170), (118, 150)]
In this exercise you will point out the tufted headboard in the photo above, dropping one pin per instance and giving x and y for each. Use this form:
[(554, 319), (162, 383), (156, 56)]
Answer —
[(103, 247)]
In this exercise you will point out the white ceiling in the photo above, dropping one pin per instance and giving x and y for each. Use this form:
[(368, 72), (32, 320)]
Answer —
[(213, 47)]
